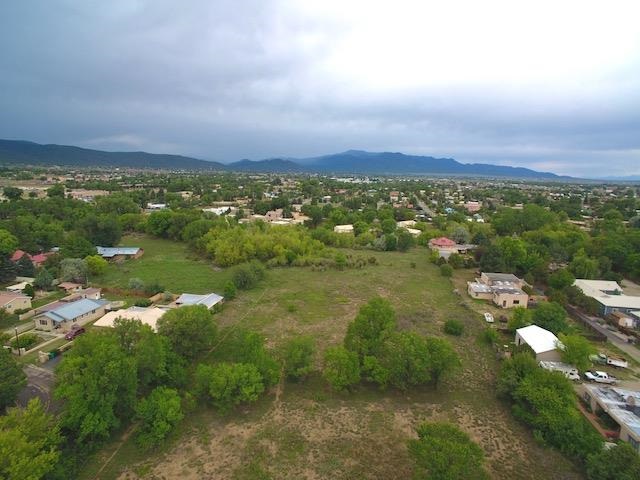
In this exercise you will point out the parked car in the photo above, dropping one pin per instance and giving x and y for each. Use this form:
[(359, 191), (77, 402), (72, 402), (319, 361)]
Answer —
[(488, 317), (600, 377), (74, 333), (567, 370)]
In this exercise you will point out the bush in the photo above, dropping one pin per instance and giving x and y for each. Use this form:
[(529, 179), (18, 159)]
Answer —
[(453, 327), (135, 284), (229, 384), (341, 368), (489, 336), (153, 288), (26, 341), (142, 302), (446, 270), (248, 275), (298, 357), (158, 413), (230, 290)]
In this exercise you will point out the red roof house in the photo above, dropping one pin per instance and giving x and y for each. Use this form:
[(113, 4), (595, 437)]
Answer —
[(442, 242)]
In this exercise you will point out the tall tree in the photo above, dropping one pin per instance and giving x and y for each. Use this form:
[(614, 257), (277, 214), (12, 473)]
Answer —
[(373, 325), (158, 413), (191, 330), (12, 379)]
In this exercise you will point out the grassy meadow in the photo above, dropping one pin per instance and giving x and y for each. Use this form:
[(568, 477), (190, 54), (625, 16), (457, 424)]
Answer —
[(306, 430)]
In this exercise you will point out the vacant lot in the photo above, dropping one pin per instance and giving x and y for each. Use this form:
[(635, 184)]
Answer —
[(306, 430)]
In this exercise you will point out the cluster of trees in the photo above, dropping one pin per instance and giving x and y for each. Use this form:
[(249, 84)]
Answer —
[(545, 401), (374, 350)]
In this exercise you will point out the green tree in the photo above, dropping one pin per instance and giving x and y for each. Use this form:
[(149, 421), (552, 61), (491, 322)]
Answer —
[(341, 368), (97, 381), (444, 452), (25, 267), (96, 265), (584, 267), (191, 330), (74, 270), (298, 357), (576, 351), (29, 291), (43, 279), (29, 442), (158, 414), (443, 360), (561, 279), (229, 384), (513, 371), (103, 230), (245, 346), (552, 316), (12, 193), (56, 191), (388, 225), (12, 379), (374, 323), (8, 243), (404, 362), (405, 240), (230, 290), (520, 317), (618, 463), (76, 246)]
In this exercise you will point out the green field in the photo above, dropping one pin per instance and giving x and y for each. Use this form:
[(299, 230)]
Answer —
[(169, 263), (306, 430)]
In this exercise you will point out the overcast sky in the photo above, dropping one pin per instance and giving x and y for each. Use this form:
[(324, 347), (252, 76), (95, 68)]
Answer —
[(550, 85)]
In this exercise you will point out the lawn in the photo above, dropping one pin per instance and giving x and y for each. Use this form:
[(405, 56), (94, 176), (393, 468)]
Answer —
[(169, 263), (306, 430)]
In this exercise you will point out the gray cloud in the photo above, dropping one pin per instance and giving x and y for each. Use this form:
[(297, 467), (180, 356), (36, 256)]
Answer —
[(233, 79)]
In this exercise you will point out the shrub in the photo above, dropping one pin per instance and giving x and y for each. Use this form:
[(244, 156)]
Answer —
[(341, 368), (489, 336), (142, 302), (446, 270), (230, 290), (453, 327), (135, 284), (298, 357), (26, 341), (153, 288), (158, 413)]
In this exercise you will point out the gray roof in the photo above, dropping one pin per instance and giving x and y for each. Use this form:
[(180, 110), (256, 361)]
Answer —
[(109, 252), (501, 277), (74, 309), (208, 300)]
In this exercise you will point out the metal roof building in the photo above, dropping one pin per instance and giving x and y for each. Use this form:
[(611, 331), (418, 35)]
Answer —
[(208, 300)]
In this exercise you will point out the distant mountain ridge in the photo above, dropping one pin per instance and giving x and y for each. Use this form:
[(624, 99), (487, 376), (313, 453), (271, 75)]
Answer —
[(351, 161)]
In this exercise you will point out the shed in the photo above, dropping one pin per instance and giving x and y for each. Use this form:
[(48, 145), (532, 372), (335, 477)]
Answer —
[(545, 344)]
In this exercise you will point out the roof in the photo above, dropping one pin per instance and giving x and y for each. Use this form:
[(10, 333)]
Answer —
[(17, 287), (109, 252), (74, 309), (595, 288), (8, 297), (442, 242), (480, 287), (18, 254), (502, 277), (68, 285), (539, 339), (208, 300), (148, 316), (615, 402)]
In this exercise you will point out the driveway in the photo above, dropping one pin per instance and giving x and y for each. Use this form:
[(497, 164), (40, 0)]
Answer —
[(40, 382)]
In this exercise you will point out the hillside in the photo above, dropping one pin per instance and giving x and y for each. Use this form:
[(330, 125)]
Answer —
[(351, 161), (29, 153)]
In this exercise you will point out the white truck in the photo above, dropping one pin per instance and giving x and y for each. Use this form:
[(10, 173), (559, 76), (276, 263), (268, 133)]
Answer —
[(567, 370), (600, 377), (603, 359)]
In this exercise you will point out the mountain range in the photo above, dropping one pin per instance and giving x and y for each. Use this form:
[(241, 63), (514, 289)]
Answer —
[(351, 161)]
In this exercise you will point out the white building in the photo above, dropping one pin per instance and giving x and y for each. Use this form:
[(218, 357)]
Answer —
[(609, 295), (545, 344)]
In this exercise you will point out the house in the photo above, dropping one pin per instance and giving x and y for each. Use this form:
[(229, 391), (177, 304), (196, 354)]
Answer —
[(148, 316), (472, 206), (273, 215), (37, 260), (343, 228), (66, 315), (623, 406), (503, 289), (156, 206), (90, 293), (12, 301), (209, 300), (406, 224), (18, 287), (609, 296), (394, 196), (119, 254), (70, 287), (443, 243), (545, 344)]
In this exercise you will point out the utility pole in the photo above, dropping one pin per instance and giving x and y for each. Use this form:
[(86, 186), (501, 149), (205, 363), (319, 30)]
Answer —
[(17, 340)]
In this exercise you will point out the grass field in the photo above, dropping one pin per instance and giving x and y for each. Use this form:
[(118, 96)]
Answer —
[(306, 430)]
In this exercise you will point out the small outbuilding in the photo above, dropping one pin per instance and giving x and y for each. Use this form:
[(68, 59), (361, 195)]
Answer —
[(544, 344)]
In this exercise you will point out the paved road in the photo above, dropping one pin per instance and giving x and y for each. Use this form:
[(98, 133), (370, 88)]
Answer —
[(40, 381), (629, 349), (426, 209)]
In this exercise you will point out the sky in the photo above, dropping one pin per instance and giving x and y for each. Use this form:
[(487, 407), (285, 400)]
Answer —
[(548, 85)]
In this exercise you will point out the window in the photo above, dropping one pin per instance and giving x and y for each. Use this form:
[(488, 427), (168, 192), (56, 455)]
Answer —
[(43, 322), (516, 302)]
